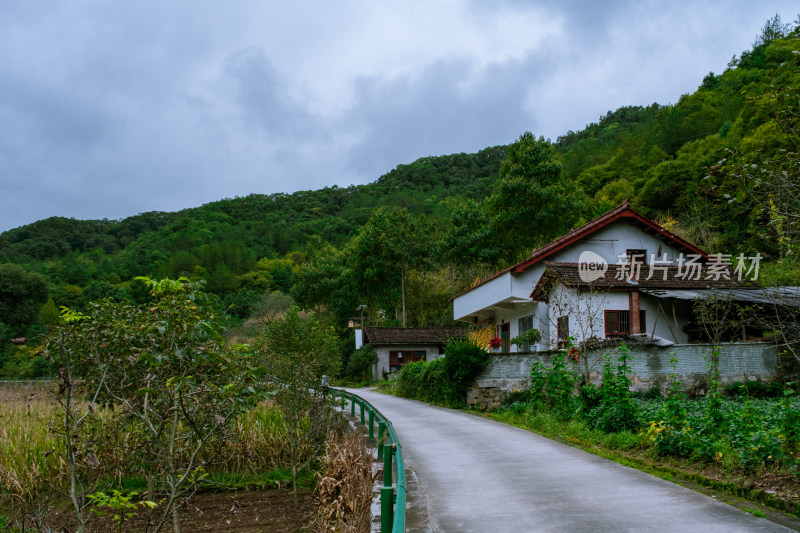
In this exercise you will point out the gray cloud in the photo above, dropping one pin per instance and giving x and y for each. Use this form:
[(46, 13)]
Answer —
[(446, 108), (110, 109)]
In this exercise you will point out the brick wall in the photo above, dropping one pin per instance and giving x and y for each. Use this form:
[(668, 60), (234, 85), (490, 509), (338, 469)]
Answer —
[(650, 366)]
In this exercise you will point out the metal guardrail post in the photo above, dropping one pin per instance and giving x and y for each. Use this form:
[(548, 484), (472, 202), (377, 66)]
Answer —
[(387, 512), (387, 465), (387, 493), (371, 424), (381, 430), (393, 495)]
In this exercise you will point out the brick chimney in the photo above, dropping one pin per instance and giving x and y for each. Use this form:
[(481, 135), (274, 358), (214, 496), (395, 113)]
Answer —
[(633, 306)]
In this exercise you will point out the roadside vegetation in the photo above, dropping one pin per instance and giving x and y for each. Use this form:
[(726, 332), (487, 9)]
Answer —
[(741, 439), (152, 407), (443, 381)]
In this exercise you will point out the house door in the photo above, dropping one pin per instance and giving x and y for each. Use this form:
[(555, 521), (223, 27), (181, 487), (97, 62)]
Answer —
[(504, 332)]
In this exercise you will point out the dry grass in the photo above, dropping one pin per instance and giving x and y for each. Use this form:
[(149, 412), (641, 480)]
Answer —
[(33, 471), (345, 491), (259, 443), (30, 453)]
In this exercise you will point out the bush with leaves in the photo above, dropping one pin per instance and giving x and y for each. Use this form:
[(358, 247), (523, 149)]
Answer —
[(360, 362), (172, 381), (444, 380), (615, 410), (670, 434), (554, 387), (297, 351)]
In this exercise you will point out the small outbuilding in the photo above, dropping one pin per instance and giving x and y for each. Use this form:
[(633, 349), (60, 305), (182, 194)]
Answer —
[(397, 346)]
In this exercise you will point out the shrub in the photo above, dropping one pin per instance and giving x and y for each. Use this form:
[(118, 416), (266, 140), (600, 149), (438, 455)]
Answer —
[(554, 387), (755, 389), (560, 387), (615, 410), (361, 361), (463, 361), (445, 380)]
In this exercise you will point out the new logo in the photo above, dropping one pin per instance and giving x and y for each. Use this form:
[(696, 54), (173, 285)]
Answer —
[(591, 266)]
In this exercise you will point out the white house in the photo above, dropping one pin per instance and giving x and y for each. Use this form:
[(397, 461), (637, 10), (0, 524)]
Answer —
[(621, 274), (397, 346)]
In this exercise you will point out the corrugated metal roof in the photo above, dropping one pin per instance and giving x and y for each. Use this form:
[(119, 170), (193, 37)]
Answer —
[(767, 295)]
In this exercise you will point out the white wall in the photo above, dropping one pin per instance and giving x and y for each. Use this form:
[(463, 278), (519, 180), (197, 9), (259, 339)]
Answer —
[(614, 240), (512, 317), (480, 297), (431, 353), (586, 311)]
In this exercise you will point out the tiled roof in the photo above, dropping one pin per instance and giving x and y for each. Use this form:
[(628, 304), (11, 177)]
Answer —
[(672, 277), (412, 335), (622, 211)]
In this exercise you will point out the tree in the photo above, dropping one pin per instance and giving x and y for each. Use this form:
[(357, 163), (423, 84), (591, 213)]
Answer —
[(471, 238), (773, 183), (324, 279), (585, 322), (297, 352), (385, 249), (360, 362), (532, 201), (22, 295), (772, 29), (168, 374)]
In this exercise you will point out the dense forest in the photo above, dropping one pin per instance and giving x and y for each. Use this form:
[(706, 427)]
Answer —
[(719, 167)]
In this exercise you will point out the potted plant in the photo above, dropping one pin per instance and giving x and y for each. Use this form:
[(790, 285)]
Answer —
[(496, 343), (532, 336)]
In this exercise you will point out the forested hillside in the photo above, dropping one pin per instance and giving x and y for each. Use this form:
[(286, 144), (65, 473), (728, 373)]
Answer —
[(719, 167)]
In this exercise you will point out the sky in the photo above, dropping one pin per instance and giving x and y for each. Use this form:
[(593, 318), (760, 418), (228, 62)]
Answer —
[(109, 109)]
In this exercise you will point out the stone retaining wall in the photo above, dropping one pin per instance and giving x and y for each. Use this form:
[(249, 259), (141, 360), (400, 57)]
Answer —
[(650, 366)]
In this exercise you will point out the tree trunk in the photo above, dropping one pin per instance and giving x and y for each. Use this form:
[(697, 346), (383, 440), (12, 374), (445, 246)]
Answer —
[(69, 418), (403, 291)]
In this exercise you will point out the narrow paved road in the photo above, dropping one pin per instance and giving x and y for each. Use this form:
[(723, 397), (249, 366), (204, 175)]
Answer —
[(481, 476)]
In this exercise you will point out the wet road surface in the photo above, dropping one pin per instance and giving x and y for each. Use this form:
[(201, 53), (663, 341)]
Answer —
[(477, 475)]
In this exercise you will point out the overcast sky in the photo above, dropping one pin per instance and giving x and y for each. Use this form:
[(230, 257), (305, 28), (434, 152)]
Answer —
[(109, 109)]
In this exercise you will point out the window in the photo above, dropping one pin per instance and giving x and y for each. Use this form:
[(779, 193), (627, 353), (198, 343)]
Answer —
[(637, 256), (525, 324), (397, 358), (619, 323), (563, 331), (636, 260)]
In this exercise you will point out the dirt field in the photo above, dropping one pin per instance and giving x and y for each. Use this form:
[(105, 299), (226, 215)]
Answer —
[(270, 511)]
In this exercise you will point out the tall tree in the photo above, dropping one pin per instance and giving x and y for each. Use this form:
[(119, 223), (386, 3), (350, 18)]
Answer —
[(471, 238), (390, 244), (532, 201), (298, 351), (22, 294)]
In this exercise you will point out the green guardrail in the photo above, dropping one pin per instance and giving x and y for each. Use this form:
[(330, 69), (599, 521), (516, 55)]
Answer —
[(393, 506)]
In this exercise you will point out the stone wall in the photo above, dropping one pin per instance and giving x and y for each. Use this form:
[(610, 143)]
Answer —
[(650, 366)]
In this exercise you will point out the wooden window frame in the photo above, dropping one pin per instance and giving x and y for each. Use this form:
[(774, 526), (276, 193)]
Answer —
[(619, 313), (562, 330), (398, 358)]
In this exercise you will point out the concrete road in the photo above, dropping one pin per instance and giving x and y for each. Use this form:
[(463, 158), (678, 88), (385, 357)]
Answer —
[(477, 475)]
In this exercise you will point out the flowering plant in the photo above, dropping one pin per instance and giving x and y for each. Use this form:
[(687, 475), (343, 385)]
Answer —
[(495, 342)]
